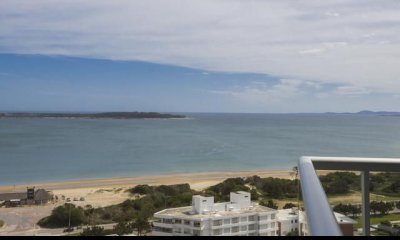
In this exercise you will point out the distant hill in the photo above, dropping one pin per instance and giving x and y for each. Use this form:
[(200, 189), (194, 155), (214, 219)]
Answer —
[(110, 115), (370, 113), (380, 113)]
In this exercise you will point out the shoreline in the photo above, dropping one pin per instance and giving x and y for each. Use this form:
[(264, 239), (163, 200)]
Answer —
[(167, 179)]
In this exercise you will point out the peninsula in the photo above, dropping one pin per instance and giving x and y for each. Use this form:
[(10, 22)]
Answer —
[(104, 115)]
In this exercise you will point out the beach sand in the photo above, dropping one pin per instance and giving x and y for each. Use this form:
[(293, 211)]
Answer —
[(104, 192)]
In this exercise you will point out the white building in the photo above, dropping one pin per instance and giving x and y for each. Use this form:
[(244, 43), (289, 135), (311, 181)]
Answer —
[(239, 217), (290, 221)]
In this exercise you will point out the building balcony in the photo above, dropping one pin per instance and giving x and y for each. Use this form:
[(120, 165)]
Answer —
[(320, 218)]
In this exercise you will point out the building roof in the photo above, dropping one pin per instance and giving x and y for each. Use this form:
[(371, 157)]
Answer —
[(13, 196), (287, 214), (40, 195), (186, 212), (342, 219)]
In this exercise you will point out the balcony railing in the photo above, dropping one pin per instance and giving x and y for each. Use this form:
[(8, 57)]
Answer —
[(320, 218)]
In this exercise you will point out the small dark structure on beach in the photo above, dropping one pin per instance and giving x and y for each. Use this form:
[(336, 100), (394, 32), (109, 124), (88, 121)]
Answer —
[(30, 197)]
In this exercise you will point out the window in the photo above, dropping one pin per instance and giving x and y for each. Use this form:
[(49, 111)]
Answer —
[(273, 216), (197, 224), (227, 230), (217, 223), (187, 231), (252, 218), (252, 227), (243, 228), (235, 220), (263, 218), (178, 221), (187, 222), (165, 230), (272, 225), (235, 229), (167, 221), (227, 221), (243, 219), (217, 232), (263, 226), (196, 233)]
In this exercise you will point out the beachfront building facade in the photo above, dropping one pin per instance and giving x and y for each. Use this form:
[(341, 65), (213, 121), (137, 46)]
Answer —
[(239, 217)]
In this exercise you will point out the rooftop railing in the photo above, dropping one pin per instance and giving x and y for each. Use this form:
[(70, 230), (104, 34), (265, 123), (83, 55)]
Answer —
[(320, 218)]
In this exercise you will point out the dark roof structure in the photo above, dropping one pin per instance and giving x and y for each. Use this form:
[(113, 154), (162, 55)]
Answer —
[(40, 195), (13, 196)]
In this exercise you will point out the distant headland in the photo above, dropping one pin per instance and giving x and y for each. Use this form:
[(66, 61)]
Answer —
[(104, 115), (370, 113)]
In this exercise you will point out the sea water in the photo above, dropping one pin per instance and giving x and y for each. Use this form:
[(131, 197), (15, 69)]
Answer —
[(45, 150)]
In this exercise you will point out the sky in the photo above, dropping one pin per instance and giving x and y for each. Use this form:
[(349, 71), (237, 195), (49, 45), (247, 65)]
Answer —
[(200, 56)]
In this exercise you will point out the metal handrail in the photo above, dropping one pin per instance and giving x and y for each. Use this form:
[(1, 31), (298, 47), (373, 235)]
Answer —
[(320, 218)]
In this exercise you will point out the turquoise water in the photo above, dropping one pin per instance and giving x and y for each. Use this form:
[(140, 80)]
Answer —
[(43, 150)]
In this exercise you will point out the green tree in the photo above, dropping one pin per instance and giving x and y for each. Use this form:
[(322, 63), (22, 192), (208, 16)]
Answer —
[(342, 208), (289, 206), (93, 231), (221, 191), (355, 210), (88, 211), (142, 189), (141, 223), (293, 234), (339, 182), (269, 203), (123, 228), (254, 195), (381, 207), (64, 215), (386, 223)]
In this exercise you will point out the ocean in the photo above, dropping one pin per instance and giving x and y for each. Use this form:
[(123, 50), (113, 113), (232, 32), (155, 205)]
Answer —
[(47, 150)]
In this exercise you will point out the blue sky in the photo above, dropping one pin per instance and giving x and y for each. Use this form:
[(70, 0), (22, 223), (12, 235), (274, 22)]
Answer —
[(200, 56)]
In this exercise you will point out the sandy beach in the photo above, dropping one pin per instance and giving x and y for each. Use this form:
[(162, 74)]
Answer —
[(103, 192)]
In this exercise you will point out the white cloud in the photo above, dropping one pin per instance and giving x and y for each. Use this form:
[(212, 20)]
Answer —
[(314, 51), (263, 93), (349, 42), (332, 14), (292, 95), (351, 91)]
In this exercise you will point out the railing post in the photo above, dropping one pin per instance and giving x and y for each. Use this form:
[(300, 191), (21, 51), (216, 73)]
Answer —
[(313, 193), (365, 207)]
